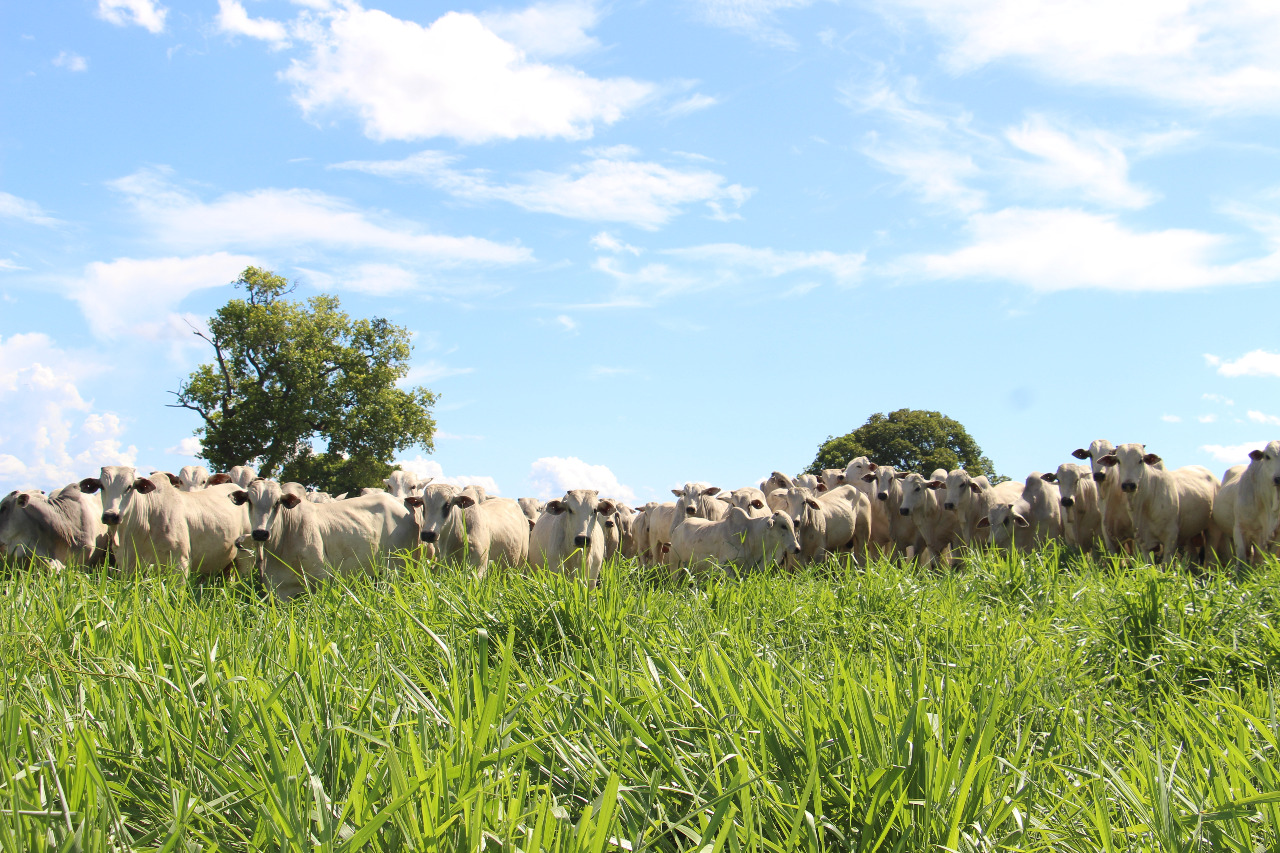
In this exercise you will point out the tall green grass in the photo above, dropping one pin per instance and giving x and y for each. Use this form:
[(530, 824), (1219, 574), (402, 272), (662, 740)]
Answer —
[(1042, 702)]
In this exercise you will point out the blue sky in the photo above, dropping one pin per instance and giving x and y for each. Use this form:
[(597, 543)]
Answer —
[(641, 243)]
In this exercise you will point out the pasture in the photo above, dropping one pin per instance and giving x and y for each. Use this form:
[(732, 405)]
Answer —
[(1041, 701)]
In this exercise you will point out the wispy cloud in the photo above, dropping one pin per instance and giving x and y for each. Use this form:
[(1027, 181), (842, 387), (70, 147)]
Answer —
[(1256, 363), (12, 207), (71, 61)]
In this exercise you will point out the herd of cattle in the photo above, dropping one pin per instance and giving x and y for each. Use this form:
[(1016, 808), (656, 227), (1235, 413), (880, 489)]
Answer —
[(1124, 500)]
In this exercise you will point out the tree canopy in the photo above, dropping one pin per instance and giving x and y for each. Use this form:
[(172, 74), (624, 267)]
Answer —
[(289, 375), (909, 440)]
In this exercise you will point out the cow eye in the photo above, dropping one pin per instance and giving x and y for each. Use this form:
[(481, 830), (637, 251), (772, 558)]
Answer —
[(444, 510)]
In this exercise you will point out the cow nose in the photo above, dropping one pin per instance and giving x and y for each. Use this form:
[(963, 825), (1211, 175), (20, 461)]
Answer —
[(884, 496), (580, 541), (1068, 501), (260, 535), (948, 505), (1276, 480), (795, 550), (903, 511), (1099, 476), (1129, 487), (110, 517), (428, 536), (689, 510)]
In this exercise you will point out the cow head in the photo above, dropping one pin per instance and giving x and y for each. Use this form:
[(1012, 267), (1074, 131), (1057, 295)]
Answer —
[(917, 492), (433, 508), (582, 512), (192, 478), (1131, 462), (1267, 461), (1097, 449), (266, 500), (119, 485)]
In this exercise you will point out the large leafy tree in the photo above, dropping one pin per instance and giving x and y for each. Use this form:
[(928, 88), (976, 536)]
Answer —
[(909, 440), (288, 375)]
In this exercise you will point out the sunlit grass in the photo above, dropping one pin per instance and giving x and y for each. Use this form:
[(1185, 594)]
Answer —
[(1042, 702)]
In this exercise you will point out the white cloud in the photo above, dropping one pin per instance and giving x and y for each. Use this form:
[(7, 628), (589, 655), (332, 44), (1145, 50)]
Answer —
[(606, 242), (12, 207), (49, 434), (1234, 453), (189, 446), (1063, 249), (147, 14), (1093, 162), (1171, 419), (233, 19), (432, 370), (755, 18), (422, 468), (71, 61), (138, 296), (1256, 363), (566, 322), (1261, 418), (548, 29), (938, 175), (692, 104), (735, 259), (1218, 398), (1215, 53), (454, 77), (611, 187), (272, 219), (552, 476), (1207, 419)]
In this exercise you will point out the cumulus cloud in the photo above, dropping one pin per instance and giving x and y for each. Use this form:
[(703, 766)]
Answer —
[(424, 468), (552, 476), (49, 434), (138, 297), (147, 14), (1065, 249), (1171, 419), (233, 19), (273, 219), (606, 242), (455, 77), (611, 187), (12, 207), (1232, 454), (189, 446), (1262, 418), (71, 61), (548, 29), (1256, 363), (1215, 53)]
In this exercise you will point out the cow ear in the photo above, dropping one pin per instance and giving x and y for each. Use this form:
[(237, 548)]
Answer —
[(24, 499), (239, 497), (341, 497), (386, 481), (289, 501), (756, 503), (554, 507), (219, 479), (413, 501), (143, 485), (464, 501), (975, 488), (1255, 455), (840, 478), (606, 508), (1080, 453), (1049, 478), (531, 523), (822, 487), (1109, 460), (871, 466), (869, 478), (714, 490), (983, 523), (173, 481), (1151, 459), (811, 503), (1020, 521), (677, 492), (936, 484), (89, 485), (901, 475)]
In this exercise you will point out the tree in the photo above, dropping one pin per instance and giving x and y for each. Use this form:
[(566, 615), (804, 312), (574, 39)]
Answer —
[(289, 374), (909, 440)]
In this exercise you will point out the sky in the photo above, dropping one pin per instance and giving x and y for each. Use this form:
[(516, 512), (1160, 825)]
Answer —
[(643, 243)]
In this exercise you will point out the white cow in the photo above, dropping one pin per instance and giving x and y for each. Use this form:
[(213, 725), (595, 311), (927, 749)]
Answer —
[(833, 521), (831, 477), (748, 499), (736, 540), (853, 475), (617, 530), (776, 480), (156, 524), (1044, 502), (531, 507), (569, 536), (1170, 509), (193, 478), (939, 529), (1117, 524), (659, 520), (306, 543), (971, 498), (243, 475), (401, 484), (1081, 505), (902, 533), (1008, 524), (64, 528), (1256, 513), (464, 529)]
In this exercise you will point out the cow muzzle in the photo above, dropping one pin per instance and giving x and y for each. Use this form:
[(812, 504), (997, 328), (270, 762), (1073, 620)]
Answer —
[(948, 505), (581, 541), (1099, 476), (260, 535), (1276, 480), (690, 510), (1068, 502), (902, 510), (429, 536), (110, 517), (1129, 487), (884, 496)]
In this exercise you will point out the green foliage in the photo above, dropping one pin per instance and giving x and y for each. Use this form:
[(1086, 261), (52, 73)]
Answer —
[(908, 440), (1028, 703), (288, 373)]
